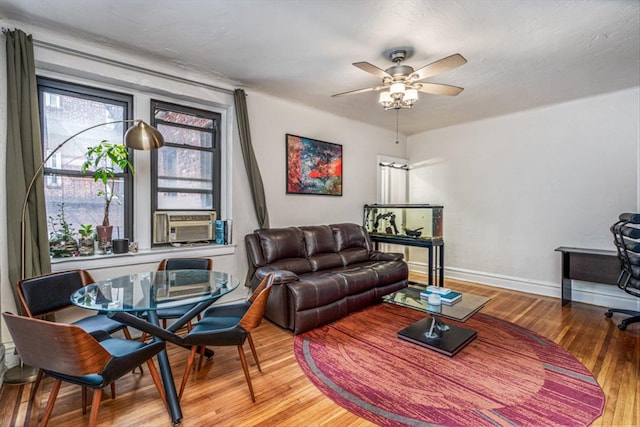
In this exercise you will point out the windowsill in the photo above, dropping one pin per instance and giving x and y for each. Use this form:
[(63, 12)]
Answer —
[(145, 256)]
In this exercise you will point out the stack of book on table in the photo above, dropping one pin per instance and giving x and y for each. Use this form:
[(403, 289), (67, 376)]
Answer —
[(447, 296)]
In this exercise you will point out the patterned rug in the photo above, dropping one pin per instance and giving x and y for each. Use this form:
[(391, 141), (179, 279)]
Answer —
[(507, 376)]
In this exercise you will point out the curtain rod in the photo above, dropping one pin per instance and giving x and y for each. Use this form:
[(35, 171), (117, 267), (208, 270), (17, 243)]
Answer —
[(107, 61)]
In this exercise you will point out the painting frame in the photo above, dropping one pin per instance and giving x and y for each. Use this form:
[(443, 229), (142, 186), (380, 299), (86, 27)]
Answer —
[(314, 167)]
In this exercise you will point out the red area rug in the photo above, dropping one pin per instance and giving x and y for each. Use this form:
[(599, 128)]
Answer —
[(507, 376)]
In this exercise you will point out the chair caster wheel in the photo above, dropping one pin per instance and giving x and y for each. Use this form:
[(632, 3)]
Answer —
[(622, 326), (608, 314)]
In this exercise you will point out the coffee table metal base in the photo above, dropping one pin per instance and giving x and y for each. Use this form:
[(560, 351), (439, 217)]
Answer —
[(448, 341)]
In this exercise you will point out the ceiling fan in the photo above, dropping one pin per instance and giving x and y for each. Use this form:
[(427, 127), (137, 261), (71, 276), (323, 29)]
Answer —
[(403, 82)]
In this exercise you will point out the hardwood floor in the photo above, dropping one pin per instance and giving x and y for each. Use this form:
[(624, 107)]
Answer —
[(218, 394)]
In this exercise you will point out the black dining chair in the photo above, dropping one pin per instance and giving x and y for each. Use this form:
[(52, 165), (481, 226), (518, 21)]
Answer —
[(214, 330), (172, 313), (46, 294), (69, 353), (177, 312), (626, 237)]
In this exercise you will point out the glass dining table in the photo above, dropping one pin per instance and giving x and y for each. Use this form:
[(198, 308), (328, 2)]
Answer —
[(127, 297)]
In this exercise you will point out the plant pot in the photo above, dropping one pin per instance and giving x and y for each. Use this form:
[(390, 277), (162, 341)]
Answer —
[(120, 246), (63, 248), (87, 246), (104, 237)]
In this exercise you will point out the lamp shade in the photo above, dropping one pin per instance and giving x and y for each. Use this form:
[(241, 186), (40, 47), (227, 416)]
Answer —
[(410, 96), (143, 137), (397, 88), (385, 98)]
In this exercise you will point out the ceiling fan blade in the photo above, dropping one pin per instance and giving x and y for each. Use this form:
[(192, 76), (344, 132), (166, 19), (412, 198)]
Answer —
[(440, 66), (353, 92), (439, 89), (372, 69)]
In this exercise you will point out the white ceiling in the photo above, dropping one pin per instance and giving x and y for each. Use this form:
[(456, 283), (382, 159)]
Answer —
[(522, 53)]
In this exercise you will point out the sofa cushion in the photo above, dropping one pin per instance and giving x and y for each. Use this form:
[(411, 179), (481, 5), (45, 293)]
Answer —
[(318, 239), (281, 243), (354, 255), (349, 235), (315, 290)]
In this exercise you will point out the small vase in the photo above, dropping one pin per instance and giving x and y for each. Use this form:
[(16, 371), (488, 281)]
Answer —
[(104, 237)]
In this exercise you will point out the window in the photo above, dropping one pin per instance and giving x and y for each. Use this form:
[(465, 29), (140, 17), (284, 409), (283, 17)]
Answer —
[(66, 109), (186, 171)]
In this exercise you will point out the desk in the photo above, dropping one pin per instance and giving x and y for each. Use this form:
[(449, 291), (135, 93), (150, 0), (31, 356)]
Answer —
[(590, 265), (435, 248), (122, 297)]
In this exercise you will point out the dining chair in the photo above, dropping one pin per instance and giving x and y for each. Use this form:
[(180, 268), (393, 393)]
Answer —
[(69, 353), (47, 294), (177, 312), (181, 264), (214, 330)]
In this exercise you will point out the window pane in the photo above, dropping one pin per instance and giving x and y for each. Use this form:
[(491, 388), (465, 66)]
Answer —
[(81, 204), (66, 111), (186, 169), (192, 137), (71, 115), (183, 118), (183, 201)]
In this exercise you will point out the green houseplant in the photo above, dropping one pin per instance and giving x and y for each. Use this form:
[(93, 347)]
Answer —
[(87, 239), (62, 243), (106, 161)]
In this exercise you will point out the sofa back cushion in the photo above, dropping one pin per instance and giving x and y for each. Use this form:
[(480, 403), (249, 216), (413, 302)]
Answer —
[(280, 243), (321, 248), (352, 242)]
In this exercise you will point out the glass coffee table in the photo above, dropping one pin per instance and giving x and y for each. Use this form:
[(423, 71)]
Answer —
[(431, 332)]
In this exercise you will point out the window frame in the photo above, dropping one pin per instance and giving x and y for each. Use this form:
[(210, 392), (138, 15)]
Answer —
[(125, 100), (215, 150)]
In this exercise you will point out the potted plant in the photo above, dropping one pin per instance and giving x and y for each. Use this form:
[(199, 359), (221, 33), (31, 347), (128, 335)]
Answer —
[(106, 160), (61, 241), (87, 240)]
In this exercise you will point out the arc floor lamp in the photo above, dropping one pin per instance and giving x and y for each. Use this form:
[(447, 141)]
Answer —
[(141, 136)]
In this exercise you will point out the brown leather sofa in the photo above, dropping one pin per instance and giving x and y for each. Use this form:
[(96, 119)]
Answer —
[(323, 272)]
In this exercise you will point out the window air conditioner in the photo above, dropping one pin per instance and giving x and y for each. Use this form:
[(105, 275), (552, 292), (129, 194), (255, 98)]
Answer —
[(174, 227)]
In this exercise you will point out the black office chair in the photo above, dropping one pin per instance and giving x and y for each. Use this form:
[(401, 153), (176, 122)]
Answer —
[(229, 330), (626, 237), (69, 353), (47, 294)]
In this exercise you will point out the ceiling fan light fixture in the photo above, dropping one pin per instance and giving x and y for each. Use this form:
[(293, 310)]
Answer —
[(385, 99), (410, 97), (397, 90)]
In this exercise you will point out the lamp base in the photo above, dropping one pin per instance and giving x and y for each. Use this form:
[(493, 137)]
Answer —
[(21, 374)]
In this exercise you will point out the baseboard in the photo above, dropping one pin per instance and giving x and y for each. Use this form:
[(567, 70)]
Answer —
[(585, 292)]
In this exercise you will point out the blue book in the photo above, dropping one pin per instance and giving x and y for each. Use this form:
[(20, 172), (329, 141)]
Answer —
[(449, 298), (219, 232)]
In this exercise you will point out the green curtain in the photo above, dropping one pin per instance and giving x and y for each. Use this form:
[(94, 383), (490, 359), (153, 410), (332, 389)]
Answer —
[(24, 156), (250, 162)]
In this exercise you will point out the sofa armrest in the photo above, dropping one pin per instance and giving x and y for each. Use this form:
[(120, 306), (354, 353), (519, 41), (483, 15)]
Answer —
[(280, 276), (386, 256)]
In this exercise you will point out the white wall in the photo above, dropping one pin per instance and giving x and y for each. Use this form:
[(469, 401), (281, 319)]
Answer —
[(516, 187), (272, 118)]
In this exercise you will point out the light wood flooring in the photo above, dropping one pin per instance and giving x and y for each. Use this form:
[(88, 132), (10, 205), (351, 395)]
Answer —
[(218, 394)]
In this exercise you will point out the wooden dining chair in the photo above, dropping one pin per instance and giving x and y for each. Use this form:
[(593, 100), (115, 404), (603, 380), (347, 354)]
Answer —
[(215, 330), (69, 353), (44, 295)]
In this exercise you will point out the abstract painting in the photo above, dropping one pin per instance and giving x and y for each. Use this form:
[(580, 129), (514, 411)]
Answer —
[(313, 167)]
